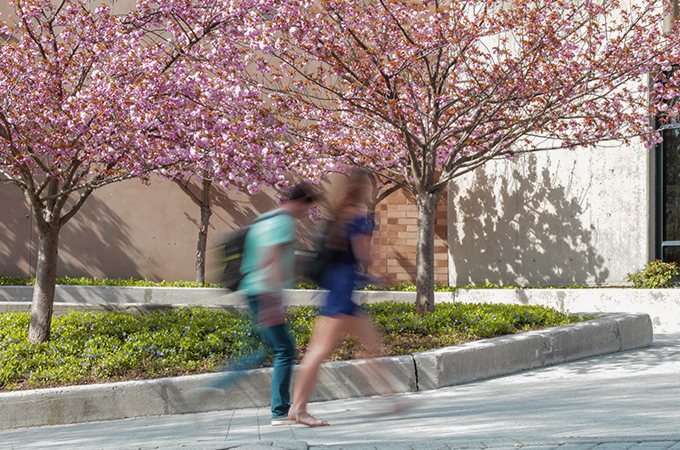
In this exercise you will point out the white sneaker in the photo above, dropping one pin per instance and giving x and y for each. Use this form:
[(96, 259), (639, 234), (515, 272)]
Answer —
[(282, 421)]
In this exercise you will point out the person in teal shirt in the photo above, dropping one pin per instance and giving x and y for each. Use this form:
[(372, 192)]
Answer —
[(268, 261), (269, 253)]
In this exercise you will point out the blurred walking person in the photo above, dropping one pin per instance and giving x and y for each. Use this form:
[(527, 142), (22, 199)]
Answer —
[(268, 261), (348, 239)]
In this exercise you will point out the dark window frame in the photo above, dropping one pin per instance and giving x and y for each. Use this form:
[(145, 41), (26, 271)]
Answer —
[(665, 244)]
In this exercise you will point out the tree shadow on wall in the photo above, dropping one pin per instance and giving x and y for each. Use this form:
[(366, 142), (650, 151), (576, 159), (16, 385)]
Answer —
[(530, 233), (230, 212), (17, 232), (241, 209), (96, 242), (406, 263)]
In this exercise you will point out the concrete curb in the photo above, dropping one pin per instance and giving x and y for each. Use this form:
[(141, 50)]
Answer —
[(120, 295), (662, 305), (422, 371), (97, 298), (510, 354)]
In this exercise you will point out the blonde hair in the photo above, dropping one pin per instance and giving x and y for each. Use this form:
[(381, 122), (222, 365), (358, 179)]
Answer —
[(353, 195)]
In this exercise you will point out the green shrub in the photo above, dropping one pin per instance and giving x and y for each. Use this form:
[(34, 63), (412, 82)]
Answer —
[(107, 344), (90, 347), (467, 319), (300, 320), (656, 274), (16, 281), (307, 286)]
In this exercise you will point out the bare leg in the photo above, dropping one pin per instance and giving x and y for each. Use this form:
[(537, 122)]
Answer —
[(324, 338), (361, 327)]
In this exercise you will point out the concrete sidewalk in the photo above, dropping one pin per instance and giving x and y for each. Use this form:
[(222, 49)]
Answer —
[(625, 400)]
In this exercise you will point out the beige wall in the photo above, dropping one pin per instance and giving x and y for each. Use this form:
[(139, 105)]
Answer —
[(554, 218), (563, 217), (132, 230), (120, 7), (5, 10), (124, 230), (17, 231)]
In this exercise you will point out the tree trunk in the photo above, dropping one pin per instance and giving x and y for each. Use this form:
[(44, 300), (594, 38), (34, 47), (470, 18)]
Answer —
[(202, 244), (427, 204), (45, 283)]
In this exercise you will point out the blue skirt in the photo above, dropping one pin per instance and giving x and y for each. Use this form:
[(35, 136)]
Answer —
[(339, 280)]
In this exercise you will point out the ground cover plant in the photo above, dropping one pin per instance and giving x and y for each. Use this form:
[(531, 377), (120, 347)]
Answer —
[(88, 347)]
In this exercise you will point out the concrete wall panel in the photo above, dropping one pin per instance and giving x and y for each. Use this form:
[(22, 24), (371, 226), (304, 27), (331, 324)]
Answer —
[(552, 218)]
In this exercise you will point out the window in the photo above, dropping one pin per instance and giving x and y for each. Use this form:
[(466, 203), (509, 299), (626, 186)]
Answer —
[(668, 194)]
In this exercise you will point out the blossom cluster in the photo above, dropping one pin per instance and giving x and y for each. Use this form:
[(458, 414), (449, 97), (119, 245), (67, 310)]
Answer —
[(418, 89), (243, 92), (89, 96)]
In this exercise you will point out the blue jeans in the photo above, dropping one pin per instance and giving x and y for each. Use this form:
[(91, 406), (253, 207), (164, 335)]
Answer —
[(283, 347)]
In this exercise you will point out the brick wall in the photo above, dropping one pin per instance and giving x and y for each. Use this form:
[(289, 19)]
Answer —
[(394, 243)]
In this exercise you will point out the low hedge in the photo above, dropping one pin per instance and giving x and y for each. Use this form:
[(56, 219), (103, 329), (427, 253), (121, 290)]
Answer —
[(88, 347)]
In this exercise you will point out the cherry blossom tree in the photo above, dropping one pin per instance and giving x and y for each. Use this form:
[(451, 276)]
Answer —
[(425, 92), (249, 165), (89, 98), (235, 143)]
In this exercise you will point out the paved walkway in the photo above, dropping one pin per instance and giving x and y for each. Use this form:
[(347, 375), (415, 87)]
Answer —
[(627, 400)]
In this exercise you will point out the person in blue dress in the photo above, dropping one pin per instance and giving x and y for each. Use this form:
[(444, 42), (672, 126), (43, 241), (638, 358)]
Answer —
[(349, 238)]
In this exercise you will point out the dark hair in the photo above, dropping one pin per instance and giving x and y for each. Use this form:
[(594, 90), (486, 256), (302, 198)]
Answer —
[(303, 191)]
